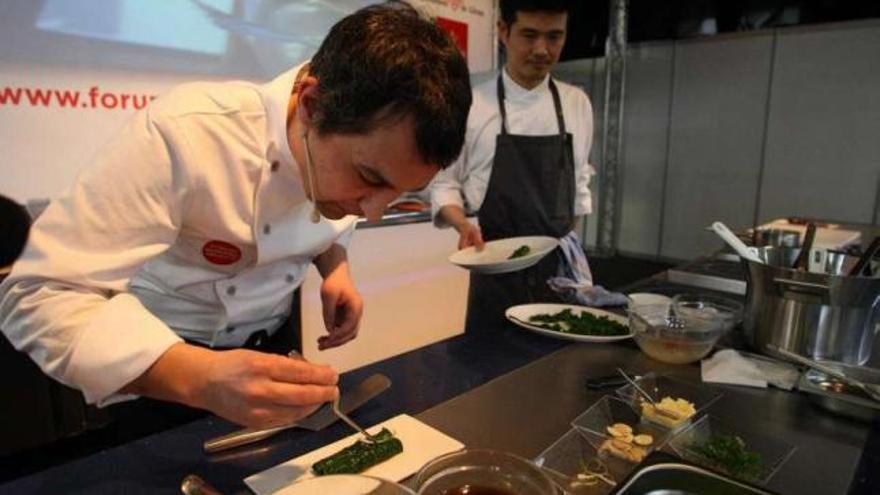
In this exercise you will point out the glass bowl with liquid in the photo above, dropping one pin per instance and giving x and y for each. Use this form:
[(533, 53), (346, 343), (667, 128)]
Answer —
[(482, 472), (675, 337)]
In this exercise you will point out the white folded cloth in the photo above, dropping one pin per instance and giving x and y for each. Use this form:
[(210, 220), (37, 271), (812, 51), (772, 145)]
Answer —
[(734, 368), (574, 281)]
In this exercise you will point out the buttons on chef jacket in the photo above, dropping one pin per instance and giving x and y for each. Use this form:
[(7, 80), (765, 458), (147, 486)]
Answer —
[(274, 166), (267, 229), (230, 290), (230, 328), (289, 278)]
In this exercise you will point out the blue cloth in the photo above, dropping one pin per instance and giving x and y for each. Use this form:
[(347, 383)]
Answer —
[(574, 281)]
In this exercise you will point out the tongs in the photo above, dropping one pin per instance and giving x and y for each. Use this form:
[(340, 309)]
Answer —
[(865, 259), (636, 386), (870, 389), (350, 422)]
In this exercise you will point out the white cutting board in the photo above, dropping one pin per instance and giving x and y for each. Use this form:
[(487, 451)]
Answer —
[(421, 443), (827, 238)]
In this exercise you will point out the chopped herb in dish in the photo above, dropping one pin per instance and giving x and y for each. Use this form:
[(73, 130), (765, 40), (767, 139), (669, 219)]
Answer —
[(729, 454), (585, 323), (520, 252), (360, 455)]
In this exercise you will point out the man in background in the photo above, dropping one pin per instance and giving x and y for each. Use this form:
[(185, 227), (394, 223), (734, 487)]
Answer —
[(524, 168)]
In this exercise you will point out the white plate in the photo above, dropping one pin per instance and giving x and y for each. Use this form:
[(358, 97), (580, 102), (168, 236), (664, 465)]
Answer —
[(493, 258), (649, 298), (421, 443), (520, 315)]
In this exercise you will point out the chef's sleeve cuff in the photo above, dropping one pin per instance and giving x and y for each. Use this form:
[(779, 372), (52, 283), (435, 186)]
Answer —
[(583, 200), (344, 238), (442, 198), (120, 343)]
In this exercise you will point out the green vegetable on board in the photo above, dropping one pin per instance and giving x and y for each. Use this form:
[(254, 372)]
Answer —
[(728, 453), (520, 252), (360, 455), (585, 323)]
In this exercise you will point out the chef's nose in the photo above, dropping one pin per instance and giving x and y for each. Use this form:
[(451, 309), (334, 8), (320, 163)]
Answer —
[(374, 203), (540, 46)]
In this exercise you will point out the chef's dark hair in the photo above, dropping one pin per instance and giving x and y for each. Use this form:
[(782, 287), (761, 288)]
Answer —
[(15, 222), (385, 62), (509, 8)]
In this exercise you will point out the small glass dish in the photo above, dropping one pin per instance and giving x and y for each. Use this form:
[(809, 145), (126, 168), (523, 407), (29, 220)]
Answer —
[(760, 458), (674, 338), (573, 464), (493, 471), (660, 386), (709, 307), (348, 484), (598, 425)]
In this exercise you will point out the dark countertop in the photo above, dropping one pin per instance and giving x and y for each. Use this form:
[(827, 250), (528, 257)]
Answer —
[(420, 379), (478, 390), (552, 389)]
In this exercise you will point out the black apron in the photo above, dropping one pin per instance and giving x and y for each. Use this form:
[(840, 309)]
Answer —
[(530, 192)]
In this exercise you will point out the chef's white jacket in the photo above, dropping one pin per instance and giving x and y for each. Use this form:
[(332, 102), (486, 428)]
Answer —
[(529, 112), (192, 223)]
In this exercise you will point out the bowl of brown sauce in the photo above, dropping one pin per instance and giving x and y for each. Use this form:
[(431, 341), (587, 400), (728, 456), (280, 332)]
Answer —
[(482, 472)]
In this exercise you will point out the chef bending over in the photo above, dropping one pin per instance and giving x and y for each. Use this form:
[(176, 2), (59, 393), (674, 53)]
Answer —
[(172, 262)]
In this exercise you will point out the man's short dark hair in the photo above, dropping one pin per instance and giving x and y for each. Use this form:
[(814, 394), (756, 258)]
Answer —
[(385, 62), (509, 8), (15, 222)]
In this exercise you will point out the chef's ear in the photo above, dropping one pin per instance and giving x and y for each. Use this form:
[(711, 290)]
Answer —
[(503, 32), (307, 101)]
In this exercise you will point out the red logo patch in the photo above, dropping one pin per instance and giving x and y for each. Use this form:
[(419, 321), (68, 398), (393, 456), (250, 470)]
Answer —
[(221, 253), (457, 29)]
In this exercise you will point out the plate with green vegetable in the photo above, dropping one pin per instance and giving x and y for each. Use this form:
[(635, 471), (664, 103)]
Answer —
[(402, 446), (505, 255), (569, 322)]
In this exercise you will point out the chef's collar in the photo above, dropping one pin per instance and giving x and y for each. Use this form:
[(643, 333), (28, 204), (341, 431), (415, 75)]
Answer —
[(512, 89), (276, 97)]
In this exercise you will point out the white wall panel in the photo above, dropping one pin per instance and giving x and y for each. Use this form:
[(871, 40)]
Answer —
[(412, 295), (715, 147), (823, 146), (646, 127)]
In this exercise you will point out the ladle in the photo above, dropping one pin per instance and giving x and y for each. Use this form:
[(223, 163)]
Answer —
[(733, 241)]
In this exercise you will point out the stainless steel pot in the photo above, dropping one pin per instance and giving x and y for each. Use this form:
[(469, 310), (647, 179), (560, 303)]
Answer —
[(819, 315), (777, 238)]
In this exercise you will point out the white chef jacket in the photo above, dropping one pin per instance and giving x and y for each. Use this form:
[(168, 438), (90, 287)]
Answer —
[(192, 223), (529, 112)]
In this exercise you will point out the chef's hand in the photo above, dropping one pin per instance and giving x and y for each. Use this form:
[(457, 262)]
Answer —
[(469, 235), (342, 308), (342, 303), (250, 388)]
